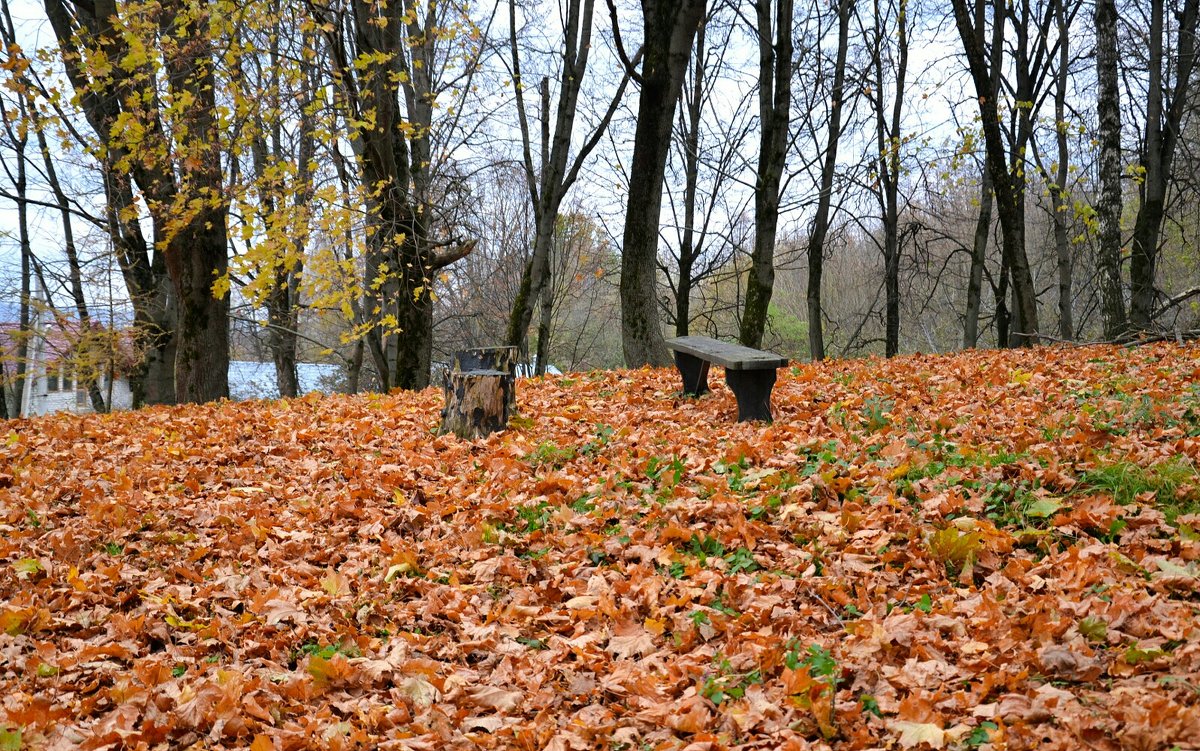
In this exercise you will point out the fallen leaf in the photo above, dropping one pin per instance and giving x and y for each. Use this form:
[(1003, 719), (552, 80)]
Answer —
[(913, 734), (494, 697)]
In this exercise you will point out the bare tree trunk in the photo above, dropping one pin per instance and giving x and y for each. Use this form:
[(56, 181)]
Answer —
[(888, 141), (355, 370), (545, 332), (1108, 206), (19, 139), (86, 369), (775, 52), (283, 301), (983, 224), (983, 232), (1163, 122), (548, 187), (282, 335), (1004, 315), (152, 379), (820, 225), (4, 413), (692, 105), (394, 151), (1009, 190), (1058, 191), (670, 27)]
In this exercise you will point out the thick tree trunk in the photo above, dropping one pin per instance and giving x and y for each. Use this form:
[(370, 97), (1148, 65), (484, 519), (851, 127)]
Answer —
[(533, 281), (1004, 316), (1163, 123), (983, 224), (197, 253), (820, 225), (282, 341), (1144, 252), (152, 379), (354, 371), (1109, 204), (891, 284), (414, 344), (4, 413), (183, 187), (683, 293), (774, 110), (670, 28), (195, 257), (156, 334), (282, 338)]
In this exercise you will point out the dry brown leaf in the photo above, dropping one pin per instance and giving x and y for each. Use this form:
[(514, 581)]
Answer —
[(494, 697), (919, 734), (631, 641)]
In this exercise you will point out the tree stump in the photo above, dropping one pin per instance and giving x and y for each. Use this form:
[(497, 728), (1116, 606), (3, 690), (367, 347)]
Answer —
[(477, 403), (502, 359)]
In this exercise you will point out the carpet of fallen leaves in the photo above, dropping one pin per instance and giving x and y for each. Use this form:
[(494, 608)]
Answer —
[(988, 550)]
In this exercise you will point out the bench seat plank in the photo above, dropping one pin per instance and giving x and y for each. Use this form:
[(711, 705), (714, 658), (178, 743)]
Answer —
[(749, 372), (728, 356)]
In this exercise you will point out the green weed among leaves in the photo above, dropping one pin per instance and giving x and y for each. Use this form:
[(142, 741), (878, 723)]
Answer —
[(1093, 629), (870, 705), (604, 434), (727, 683), (1175, 484), (741, 560), (665, 474), (10, 738), (819, 660), (981, 734), (705, 547), (875, 413), (535, 517), (551, 455)]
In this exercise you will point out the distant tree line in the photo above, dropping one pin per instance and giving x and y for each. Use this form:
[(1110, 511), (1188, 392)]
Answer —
[(379, 183)]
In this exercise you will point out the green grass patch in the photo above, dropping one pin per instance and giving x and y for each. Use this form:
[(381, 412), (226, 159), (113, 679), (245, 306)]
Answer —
[(1175, 485), (551, 455)]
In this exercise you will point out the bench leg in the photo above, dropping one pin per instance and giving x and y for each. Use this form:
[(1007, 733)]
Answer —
[(694, 372), (753, 391)]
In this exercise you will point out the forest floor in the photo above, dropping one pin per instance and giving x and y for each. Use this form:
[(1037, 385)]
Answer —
[(984, 550)]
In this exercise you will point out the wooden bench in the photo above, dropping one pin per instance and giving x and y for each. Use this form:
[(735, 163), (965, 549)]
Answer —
[(749, 372)]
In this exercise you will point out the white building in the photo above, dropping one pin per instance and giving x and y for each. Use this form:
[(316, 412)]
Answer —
[(51, 384)]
